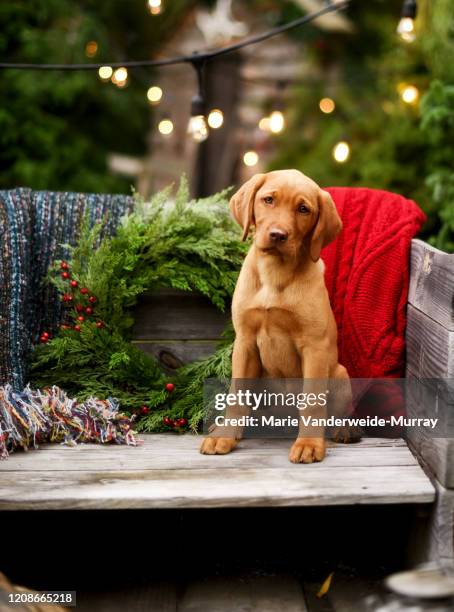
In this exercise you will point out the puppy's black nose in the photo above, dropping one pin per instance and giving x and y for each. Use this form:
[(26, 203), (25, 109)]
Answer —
[(277, 235)]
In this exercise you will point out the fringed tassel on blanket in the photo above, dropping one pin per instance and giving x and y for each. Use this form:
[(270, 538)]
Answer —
[(33, 416)]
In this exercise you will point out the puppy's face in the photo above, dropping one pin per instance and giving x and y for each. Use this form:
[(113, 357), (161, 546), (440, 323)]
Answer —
[(290, 212)]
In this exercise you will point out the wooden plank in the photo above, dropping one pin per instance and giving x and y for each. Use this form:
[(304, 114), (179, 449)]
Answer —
[(214, 488), (430, 346), (433, 537), (170, 314), (432, 283), (424, 400), (166, 451), (172, 354), (273, 593)]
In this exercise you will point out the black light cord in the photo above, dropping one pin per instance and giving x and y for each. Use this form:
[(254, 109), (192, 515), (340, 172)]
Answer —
[(182, 59)]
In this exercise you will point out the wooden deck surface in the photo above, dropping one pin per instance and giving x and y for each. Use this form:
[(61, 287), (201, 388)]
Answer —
[(167, 471)]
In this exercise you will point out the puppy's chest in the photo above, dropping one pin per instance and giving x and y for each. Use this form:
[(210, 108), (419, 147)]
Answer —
[(271, 310)]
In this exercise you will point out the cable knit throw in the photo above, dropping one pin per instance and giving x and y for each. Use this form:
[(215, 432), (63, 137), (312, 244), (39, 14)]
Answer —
[(367, 275), (34, 227)]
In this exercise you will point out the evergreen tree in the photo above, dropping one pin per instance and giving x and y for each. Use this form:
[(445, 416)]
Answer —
[(57, 128)]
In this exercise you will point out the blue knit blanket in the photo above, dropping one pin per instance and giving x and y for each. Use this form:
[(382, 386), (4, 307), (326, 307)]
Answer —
[(35, 226)]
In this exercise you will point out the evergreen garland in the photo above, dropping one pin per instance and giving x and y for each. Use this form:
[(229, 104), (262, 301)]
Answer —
[(189, 245)]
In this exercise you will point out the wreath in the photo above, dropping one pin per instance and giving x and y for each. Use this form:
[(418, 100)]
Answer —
[(167, 242)]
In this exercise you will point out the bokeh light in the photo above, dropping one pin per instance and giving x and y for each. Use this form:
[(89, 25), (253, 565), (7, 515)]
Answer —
[(327, 105), (215, 118), (165, 127), (250, 158), (341, 152)]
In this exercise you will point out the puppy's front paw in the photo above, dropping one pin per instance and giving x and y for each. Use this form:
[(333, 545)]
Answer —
[(307, 450), (218, 446)]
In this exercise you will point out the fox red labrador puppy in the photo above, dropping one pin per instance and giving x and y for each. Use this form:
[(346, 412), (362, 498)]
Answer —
[(281, 312)]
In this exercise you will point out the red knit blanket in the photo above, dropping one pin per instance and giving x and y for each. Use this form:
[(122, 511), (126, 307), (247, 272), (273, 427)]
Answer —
[(367, 275)]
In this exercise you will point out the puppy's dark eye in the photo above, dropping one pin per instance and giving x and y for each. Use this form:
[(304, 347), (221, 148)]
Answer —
[(302, 208), (268, 200)]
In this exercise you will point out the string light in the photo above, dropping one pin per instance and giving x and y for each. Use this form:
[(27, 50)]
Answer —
[(165, 127), (250, 158), (277, 122), (215, 118), (327, 105), (105, 72), (409, 94), (155, 6), (264, 124), (331, 7), (154, 94), (119, 77), (341, 152), (197, 126), (91, 48), (406, 25)]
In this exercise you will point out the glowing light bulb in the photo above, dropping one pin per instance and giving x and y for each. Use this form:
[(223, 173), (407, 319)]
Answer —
[(264, 124), (154, 94), (119, 77), (250, 158), (215, 118), (277, 122), (105, 72), (197, 128), (155, 6), (91, 48), (327, 105), (409, 94), (406, 29), (165, 127), (341, 152)]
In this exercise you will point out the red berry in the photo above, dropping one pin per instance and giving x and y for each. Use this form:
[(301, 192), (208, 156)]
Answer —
[(144, 410), (81, 318), (65, 275), (77, 328), (92, 299), (99, 324), (74, 283), (44, 339), (83, 290), (89, 310), (170, 387), (64, 265), (168, 421), (79, 308), (181, 422), (45, 334), (67, 297)]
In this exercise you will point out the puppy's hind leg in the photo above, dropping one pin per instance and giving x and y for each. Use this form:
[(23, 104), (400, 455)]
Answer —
[(340, 405)]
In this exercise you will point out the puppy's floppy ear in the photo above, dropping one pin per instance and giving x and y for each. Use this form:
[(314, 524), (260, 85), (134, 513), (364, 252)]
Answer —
[(328, 225), (242, 202)]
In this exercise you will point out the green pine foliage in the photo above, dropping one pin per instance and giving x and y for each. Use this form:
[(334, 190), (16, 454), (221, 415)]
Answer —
[(437, 110), (188, 398), (189, 245)]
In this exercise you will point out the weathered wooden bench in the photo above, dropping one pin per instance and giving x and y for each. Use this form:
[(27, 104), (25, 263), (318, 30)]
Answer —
[(168, 472)]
